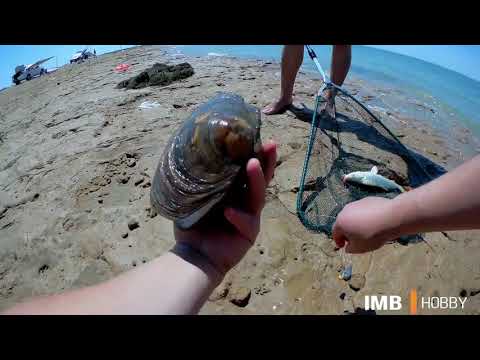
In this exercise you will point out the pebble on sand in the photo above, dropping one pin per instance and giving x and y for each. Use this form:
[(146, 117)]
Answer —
[(124, 235), (131, 163), (357, 282), (133, 224), (219, 293), (241, 297)]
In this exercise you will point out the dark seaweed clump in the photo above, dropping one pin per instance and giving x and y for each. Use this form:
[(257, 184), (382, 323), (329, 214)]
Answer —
[(158, 75)]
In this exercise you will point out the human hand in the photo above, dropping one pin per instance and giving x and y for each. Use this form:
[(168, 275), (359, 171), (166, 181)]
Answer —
[(365, 225), (225, 242)]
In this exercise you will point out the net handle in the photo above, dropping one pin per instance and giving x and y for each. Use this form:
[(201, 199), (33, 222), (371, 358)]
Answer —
[(313, 131), (313, 56)]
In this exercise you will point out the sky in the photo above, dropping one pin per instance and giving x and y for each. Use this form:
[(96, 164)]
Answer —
[(13, 55), (460, 58)]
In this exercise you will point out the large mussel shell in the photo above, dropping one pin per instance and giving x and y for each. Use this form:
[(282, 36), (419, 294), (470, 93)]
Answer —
[(203, 159)]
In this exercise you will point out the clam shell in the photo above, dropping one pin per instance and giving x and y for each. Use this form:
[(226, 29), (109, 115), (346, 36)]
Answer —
[(203, 158)]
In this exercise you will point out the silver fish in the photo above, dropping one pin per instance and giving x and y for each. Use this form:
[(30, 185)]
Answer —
[(372, 178)]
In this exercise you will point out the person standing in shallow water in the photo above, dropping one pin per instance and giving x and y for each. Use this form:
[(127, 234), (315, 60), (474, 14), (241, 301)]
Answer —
[(292, 58)]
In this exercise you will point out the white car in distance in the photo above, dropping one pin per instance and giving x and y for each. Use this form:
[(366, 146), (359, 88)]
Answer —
[(81, 56), (28, 72)]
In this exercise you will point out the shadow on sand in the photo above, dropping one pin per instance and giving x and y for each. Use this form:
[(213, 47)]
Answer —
[(369, 134)]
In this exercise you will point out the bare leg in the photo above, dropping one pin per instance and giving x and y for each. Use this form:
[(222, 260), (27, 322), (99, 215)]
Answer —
[(341, 59), (292, 58)]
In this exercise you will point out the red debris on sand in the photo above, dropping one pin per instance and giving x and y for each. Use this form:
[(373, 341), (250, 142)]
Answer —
[(122, 67)]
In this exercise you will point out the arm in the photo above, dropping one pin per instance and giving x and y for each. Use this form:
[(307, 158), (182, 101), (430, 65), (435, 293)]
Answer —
[(167, 285), (180, 281), (451, 202)]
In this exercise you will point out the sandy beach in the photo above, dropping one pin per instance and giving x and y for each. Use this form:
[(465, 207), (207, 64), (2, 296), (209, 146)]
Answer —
[(77, 156)]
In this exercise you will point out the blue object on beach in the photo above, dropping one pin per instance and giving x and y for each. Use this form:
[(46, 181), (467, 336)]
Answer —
[(346, 273)]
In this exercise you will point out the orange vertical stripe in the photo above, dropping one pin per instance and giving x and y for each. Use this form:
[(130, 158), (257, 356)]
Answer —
[(413, 302)]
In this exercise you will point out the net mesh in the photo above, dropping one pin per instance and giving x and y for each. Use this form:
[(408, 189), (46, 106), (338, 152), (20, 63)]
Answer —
[(355, 140)]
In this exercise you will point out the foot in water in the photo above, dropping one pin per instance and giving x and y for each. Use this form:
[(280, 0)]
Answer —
[(277, 107)]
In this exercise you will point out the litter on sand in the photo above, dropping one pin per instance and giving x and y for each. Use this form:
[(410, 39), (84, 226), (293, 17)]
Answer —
[(149, 105), (346, 273)]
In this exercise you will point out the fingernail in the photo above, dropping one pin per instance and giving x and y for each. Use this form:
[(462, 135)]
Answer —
[(253, 162)]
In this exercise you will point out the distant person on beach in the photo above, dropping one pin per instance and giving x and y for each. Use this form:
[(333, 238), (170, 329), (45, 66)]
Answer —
[(292, 58), (180, 281)]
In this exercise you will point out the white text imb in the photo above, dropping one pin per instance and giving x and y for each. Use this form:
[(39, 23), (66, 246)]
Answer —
[(384, 302)]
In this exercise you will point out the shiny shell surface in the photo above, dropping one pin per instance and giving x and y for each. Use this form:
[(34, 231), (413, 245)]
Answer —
[(204, 157)]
